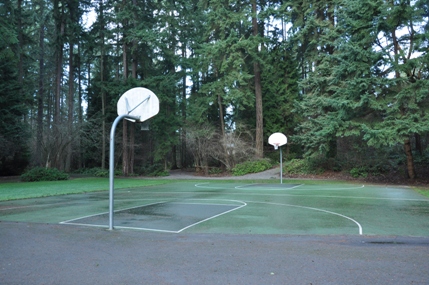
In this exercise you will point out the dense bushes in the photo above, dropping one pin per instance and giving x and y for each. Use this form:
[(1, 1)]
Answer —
[(97, 172), (320, 164), (373, 170), (44, 174), (251, 167), (310, 165), (358, 172), (150, 170)]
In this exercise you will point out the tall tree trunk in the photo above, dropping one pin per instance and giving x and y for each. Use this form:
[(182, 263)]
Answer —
[(41, 91), (59, 52), (410, 161), (407, 143), (174, 158), (183, 156), (58, 60), (103, 94), (125, 153), (221, 114), (21, 54), (70, 105), (134, 64), (258, 91), (80, 112)]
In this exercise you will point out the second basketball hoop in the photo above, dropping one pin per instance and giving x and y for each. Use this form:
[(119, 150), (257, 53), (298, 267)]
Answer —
[(276, 140)]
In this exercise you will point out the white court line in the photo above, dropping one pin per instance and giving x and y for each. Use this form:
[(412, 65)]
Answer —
[(332, 189), (215, 216), (266, 187), (122, 227), (296, 186), (314, 209), (202, 186), (85, 225), (229, 200), (146, 229)]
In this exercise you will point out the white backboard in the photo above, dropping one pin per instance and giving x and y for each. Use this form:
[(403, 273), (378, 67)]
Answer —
[(277, 139), (138, 102)]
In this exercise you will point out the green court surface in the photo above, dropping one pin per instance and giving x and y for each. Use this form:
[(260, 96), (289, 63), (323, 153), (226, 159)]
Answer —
[(238, 208)]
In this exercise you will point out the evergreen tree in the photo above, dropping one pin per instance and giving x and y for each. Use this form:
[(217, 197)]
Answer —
[(225, 76), (355, 69), (280, 90), (13, 130), (374, 84), (315, 34)]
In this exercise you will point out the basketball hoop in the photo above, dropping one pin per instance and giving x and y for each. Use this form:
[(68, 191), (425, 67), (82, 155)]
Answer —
[(137, 105), (276, 140)]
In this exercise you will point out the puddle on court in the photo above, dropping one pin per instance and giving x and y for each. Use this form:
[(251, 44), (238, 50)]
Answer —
[(165, 216)]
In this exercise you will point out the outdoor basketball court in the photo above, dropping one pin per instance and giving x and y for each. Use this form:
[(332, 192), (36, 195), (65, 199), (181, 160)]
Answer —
[(237, 208)]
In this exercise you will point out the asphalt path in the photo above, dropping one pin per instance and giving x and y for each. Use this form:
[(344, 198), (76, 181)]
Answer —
[(273, 173), (60, 254)]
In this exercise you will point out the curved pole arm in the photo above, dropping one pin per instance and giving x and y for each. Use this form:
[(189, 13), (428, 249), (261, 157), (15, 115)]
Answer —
[(112, 163)]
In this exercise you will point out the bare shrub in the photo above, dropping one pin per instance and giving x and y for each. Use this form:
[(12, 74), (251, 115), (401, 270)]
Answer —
[(233, 148), (200, 140), (229, 149)]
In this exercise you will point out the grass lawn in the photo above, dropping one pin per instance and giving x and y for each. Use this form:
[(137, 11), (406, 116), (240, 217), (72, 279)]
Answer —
[(423, 191), (23, 190)]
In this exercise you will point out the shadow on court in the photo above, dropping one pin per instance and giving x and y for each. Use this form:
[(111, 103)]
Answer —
[(219, 233)]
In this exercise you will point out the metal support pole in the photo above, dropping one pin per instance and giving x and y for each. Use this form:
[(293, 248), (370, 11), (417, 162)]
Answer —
[(281, 166), (112, 164)]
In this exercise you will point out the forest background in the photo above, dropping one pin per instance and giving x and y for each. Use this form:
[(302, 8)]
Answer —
[(346, 81)]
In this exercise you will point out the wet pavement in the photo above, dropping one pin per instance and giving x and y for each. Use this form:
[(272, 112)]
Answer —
[(60, 254), (221, 251), (172, 217)]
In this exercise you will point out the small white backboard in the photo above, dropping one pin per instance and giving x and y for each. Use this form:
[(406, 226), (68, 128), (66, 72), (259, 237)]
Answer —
[(138, 102), (277, 139)]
